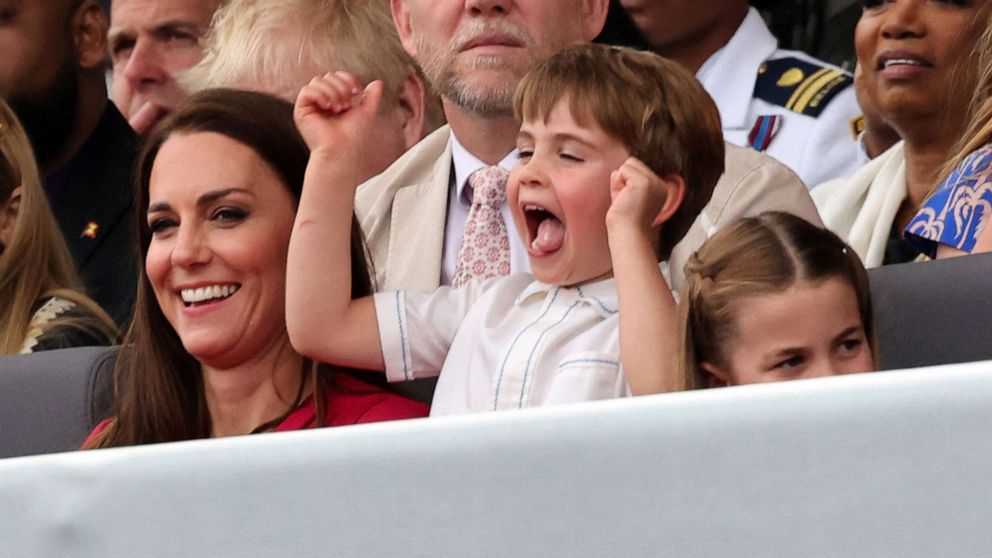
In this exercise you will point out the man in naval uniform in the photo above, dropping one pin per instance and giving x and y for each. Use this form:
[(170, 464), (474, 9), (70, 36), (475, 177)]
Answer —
[(784, 103)]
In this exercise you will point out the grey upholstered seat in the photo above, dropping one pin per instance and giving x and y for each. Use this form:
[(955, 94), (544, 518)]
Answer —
[(934, 312), (50, 401), (926, 313)]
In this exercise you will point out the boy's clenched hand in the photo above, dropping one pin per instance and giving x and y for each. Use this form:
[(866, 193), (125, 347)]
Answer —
[(336, 115), (638, 195)]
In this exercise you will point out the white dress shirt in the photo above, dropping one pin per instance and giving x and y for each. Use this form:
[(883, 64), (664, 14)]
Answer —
[(459, 204), (506, 343), (817, 148)]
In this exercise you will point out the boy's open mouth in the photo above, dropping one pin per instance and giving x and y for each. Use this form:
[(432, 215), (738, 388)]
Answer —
[(545, 229)]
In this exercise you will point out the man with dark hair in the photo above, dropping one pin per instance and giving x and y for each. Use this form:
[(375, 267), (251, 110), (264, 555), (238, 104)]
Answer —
[(52, 75)]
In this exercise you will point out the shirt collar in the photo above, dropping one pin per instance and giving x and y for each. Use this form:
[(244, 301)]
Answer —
[(534, 288), (730, 73), (600, 295), (465, 164)]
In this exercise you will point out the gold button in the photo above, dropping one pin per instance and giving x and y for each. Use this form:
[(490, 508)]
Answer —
[(791, 77)]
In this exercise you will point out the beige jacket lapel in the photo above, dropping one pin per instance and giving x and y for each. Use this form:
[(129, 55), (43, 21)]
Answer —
[(751, 183), (402, 212)]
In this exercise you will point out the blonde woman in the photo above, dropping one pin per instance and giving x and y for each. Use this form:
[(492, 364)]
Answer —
[(40, 292)]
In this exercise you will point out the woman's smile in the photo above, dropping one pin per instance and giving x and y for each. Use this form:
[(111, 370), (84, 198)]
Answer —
[(220, 220)]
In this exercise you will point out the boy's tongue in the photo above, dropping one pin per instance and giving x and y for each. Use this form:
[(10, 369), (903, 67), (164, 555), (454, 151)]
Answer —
[(550, 235)]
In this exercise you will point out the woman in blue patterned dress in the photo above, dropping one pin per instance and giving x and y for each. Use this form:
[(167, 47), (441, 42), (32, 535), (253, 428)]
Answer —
[(953, 220)]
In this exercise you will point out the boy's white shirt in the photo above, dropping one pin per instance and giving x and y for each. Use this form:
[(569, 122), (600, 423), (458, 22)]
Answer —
[(506, 343)]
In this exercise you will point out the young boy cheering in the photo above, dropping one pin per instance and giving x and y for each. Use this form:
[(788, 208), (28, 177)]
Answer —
[(619, 152)]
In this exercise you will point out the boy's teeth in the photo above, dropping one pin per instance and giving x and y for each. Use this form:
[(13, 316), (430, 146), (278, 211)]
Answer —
[(212, 292)]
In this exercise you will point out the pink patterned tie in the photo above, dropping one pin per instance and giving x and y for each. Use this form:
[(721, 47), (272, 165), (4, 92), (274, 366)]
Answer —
[(485, 250)]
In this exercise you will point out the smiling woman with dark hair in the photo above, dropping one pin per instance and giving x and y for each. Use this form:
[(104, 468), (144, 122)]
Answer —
[(918, 66), (208, 354)]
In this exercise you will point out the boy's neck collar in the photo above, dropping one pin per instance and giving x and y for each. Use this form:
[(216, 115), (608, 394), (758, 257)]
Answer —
[(600, 293)]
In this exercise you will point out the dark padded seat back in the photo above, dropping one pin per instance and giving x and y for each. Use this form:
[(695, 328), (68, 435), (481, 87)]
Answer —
[(936, 312), (50, 401), (926, 314)]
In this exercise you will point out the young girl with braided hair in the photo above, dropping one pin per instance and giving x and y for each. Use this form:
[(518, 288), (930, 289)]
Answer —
[(773, 298)]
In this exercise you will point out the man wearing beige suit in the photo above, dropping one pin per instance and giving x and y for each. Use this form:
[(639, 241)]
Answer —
[(475, 52)]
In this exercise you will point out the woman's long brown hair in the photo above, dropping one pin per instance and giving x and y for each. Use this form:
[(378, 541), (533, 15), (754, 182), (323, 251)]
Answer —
[(159, 392)]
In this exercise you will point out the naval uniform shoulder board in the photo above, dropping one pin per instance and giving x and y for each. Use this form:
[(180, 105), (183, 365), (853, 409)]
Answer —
[(798, 85)]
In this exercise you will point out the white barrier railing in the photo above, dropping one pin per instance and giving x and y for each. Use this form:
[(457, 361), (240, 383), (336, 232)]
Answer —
[(886, 464)]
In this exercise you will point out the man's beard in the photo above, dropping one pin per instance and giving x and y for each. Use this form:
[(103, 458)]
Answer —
[(439, 67), (49, 116)]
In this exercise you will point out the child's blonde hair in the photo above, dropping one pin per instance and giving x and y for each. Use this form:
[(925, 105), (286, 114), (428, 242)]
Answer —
[(751, 257), (36, 264), (654, 106)]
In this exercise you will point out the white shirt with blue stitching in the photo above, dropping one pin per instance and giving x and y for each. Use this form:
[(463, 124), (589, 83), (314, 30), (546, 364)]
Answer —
[(506, 343)]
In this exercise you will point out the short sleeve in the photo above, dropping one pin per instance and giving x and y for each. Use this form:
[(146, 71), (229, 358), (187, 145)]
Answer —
[(416, 328), (955, 213), (65, 336), (58, 323)]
